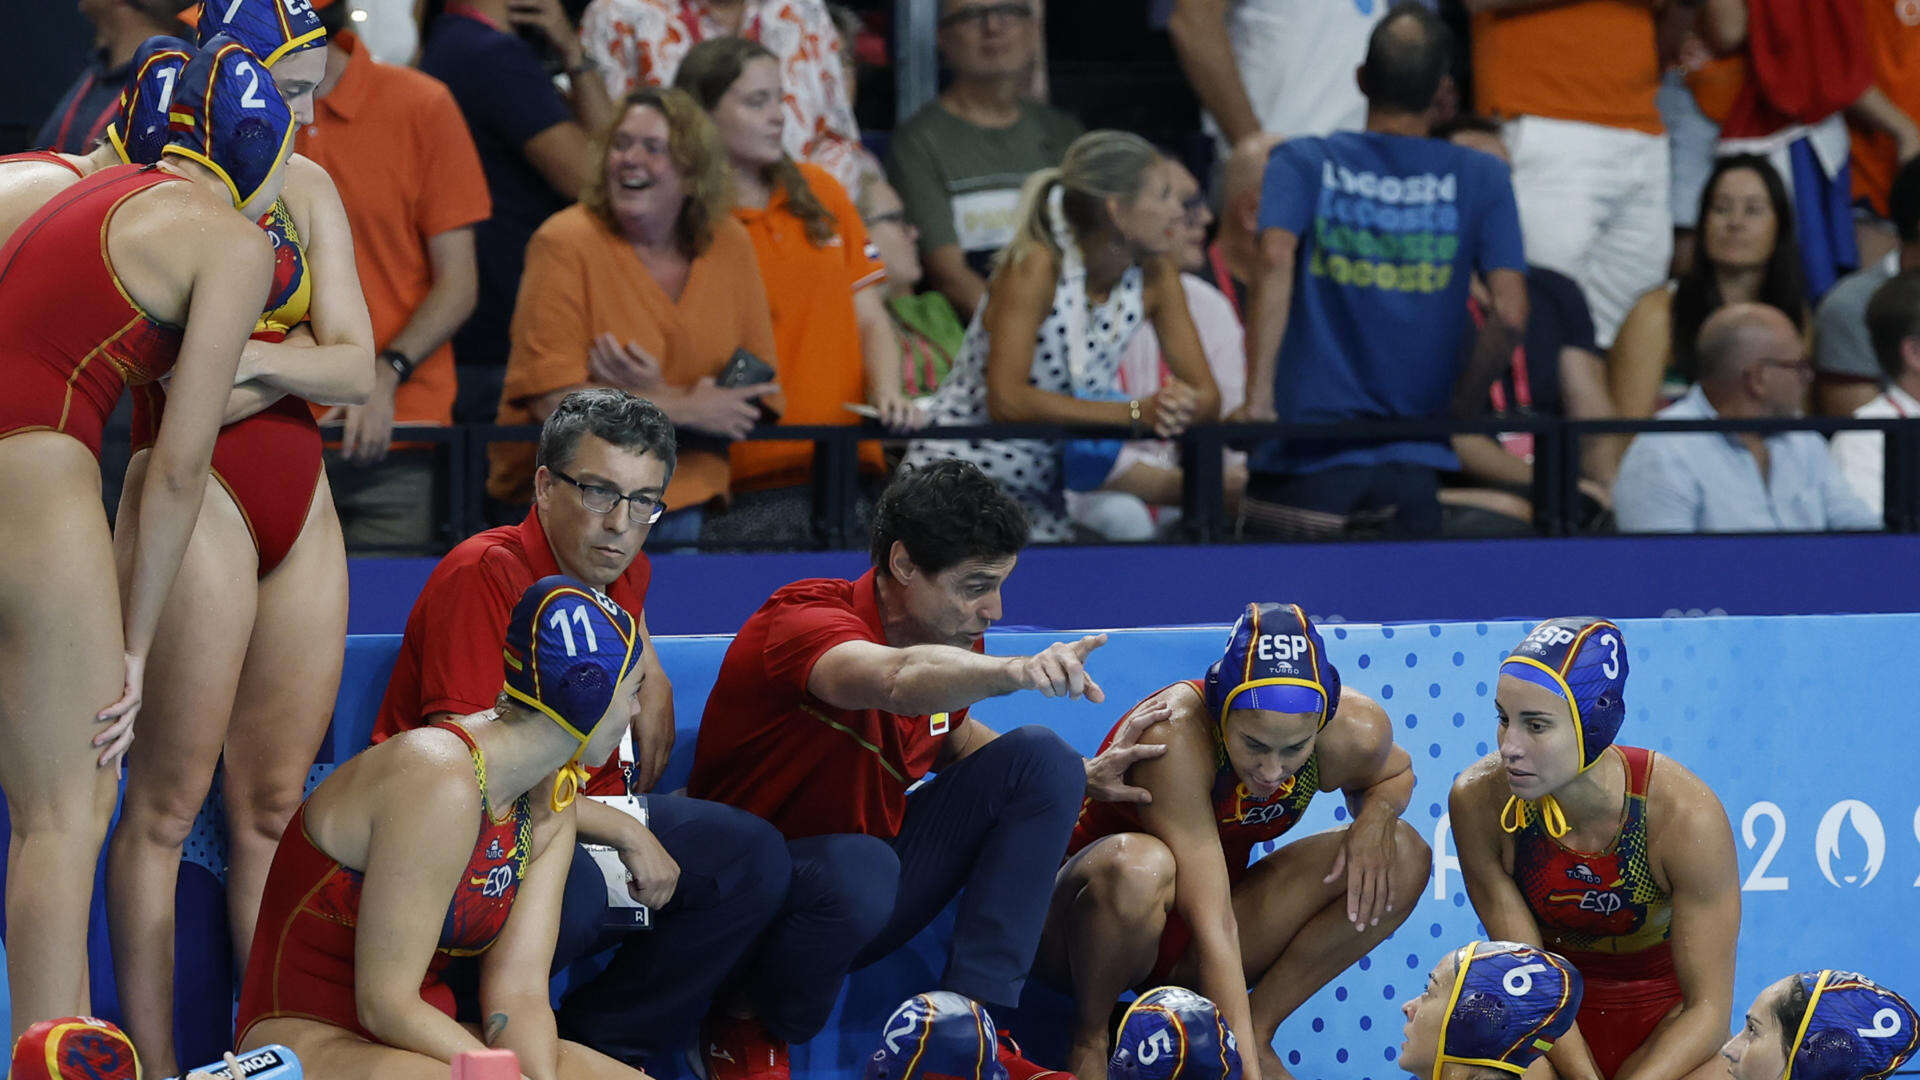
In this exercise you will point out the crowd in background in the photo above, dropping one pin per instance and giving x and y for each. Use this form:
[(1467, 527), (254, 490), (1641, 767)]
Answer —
[(1498, 209)]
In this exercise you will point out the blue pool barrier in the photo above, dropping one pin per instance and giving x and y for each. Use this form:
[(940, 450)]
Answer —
[(1803, 725)]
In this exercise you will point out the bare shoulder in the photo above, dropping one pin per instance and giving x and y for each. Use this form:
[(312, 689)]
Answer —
[(1479, 792), (1679, 800), (1029, 268), (1359, 736), (424, 766), (1187, 733)]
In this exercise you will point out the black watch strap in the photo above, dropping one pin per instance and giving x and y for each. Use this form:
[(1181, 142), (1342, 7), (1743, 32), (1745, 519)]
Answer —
[(398, 361)]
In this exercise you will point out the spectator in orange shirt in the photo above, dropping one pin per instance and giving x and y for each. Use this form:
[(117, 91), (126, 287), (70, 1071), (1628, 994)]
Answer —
[(647, 285), (397, 148), (825, 285), (1893, 40)]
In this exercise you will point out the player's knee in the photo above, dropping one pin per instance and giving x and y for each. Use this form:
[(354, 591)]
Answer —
[(160, 818), (1132, 880), (261, 810), (1046, 763), (849, 880)]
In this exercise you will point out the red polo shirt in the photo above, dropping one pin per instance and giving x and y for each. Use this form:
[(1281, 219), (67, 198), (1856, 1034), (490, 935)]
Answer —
[(769, 746), (450, 658)]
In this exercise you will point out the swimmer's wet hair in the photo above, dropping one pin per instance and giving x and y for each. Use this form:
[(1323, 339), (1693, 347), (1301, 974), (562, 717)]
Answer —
[(945, 513), (628, 422)]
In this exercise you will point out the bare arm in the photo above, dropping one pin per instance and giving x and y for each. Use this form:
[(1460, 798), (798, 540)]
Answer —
[(1704, 877), (1268, 306), (880, 357), (513, 977), (1179, 340), (653, 731), (1017, 302), (416, 853), (1877, 112), (1482, 458), (334, 366), (1638, 361), (1584, 396), (1181, 816), (231, 267), (924, 679), (1199, 32), (449, 300), (1505, 328), (560, 153), (949, 272), (1474, 804), (1358, 756)]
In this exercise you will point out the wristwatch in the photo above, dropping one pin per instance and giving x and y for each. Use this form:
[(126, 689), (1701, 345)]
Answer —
[(587, 66), (398, 361)]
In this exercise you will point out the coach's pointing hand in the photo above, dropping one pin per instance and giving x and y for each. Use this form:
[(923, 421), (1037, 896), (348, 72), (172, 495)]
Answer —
[(1060, 670)]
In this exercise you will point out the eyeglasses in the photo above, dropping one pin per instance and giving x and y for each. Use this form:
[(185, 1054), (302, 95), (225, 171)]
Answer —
[(603, 500), (892, 217), (1009, 9)]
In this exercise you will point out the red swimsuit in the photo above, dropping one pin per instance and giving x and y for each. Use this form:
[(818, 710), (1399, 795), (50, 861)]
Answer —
[(70, 336), (1604, 912), (270, 462), (1244, 822), (302, 960), (47, 156)]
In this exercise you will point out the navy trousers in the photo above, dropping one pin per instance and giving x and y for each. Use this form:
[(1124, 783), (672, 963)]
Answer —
[(991, 828), (650, 999)]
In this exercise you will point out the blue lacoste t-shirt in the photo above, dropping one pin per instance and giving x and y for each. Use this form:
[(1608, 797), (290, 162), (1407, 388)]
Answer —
[(1391, 229)]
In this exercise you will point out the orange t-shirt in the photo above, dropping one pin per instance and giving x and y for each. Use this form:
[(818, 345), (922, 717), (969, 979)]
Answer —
[(1893, 35), (1595, 61), (396, 146), (582, 280), (810, 291)]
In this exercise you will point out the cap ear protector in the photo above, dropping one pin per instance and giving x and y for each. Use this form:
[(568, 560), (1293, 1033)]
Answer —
[(1274, 660), (74, 1048), (1508, 1004), (940, 1034), (1853, 1029), (270, 29), (1173, 1033), (140, 130), (568, 649), (227, 115), (1584, 661)]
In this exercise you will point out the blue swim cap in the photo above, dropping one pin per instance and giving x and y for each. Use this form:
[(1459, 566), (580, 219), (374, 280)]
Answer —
[(270, 29), (1274, 660), (1173, 1032), (138, 133), (568, 648), (939, 1034), (1509, 1003), (1853, 1030), (226, 114), (1585, 662)]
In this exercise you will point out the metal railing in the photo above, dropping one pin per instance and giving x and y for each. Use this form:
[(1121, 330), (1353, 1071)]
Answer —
[(1556, 468)]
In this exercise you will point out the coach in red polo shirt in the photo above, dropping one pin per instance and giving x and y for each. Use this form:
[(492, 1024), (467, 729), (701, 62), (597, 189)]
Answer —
[(835, 698), (714, 875)]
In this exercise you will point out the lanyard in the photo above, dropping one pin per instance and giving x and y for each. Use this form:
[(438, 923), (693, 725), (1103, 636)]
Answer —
[(99, 124), (1224, 278), (1518, 443), (690, 18)]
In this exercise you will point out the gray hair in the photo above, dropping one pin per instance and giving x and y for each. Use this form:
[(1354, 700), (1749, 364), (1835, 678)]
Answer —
[(628, 422)]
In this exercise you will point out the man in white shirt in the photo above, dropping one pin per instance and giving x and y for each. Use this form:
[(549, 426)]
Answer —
[(1753, 365), (1284, 66), (1893, 324), (1849, 372)]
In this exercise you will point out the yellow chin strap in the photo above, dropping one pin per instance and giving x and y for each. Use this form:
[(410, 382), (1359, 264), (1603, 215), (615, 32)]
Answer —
[(1518, 812), (567, 784), (1441, 1059)]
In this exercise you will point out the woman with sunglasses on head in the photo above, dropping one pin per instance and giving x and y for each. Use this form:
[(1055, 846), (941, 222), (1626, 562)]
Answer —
[(131, 275), (1613, 856), (1160, 891), (248, 657)]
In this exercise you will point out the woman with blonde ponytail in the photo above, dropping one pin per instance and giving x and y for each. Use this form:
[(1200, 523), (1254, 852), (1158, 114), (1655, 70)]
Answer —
[(1088, 267)]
